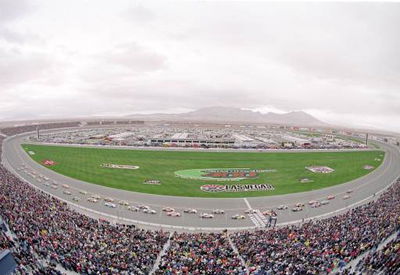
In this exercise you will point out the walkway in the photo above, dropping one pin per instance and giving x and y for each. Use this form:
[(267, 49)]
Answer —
[(234, 248), (161, 254)]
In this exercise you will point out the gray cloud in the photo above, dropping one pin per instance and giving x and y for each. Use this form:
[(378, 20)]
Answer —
[(135, 58), (12, 9), (139, 14), (337, 60), (17, 67)]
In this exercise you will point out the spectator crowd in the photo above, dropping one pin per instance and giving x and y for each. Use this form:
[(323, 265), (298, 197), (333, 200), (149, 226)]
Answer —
[(385, 260), (201, 253), (45, 230), (317, 247)]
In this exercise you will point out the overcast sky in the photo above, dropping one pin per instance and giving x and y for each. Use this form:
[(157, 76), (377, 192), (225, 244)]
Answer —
[(337, 61)]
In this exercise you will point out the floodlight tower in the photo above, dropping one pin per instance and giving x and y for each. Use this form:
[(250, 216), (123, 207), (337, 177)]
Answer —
[(366, 139), (37, 132)]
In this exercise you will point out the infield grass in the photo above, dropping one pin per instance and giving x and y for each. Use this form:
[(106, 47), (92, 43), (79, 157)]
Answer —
[(84, 163)]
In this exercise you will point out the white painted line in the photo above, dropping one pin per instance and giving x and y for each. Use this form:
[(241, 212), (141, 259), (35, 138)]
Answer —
[(247, 203)]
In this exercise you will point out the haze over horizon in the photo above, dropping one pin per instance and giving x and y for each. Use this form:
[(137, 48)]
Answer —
[(336, 61)]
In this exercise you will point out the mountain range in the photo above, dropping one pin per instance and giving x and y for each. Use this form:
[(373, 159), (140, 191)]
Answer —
[(230, 114)]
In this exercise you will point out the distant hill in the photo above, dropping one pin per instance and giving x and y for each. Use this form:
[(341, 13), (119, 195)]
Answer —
[(230, 114)]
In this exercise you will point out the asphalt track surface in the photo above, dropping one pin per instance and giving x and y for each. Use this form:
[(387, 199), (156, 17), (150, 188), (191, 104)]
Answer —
[(363, 190)]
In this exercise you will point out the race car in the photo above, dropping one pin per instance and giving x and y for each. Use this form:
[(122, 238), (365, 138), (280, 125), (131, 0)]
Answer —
[(345, 197), (142, 206), (94, 200), (47, 184), (190, 211), (149, 211), (316, 204), (238, 217), (312, 202), (250, 211), (109, 204), (123, 203), (330, 197), (65, 186), (218, 211), (76, 199), (268, 213), (67, 192), (299, 204), (133, 208), (297, 209), (168, 209), (173, 214), (324, 202), (349, 191), (206, 216), (82, 192), (282, 207), (54, 187), (97, 197), (109, 199)]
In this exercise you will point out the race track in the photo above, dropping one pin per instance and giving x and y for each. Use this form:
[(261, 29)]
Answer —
[(363, 190)]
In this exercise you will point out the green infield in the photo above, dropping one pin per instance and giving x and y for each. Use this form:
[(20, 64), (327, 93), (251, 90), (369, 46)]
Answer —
[(183, 173)]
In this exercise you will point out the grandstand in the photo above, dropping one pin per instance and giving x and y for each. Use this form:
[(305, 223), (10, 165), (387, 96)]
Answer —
[(47, 237)]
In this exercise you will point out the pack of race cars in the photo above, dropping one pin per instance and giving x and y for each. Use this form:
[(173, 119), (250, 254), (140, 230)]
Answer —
[(169, 211)]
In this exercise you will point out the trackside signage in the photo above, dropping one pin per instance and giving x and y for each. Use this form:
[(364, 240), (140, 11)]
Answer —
[(237, 187)]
